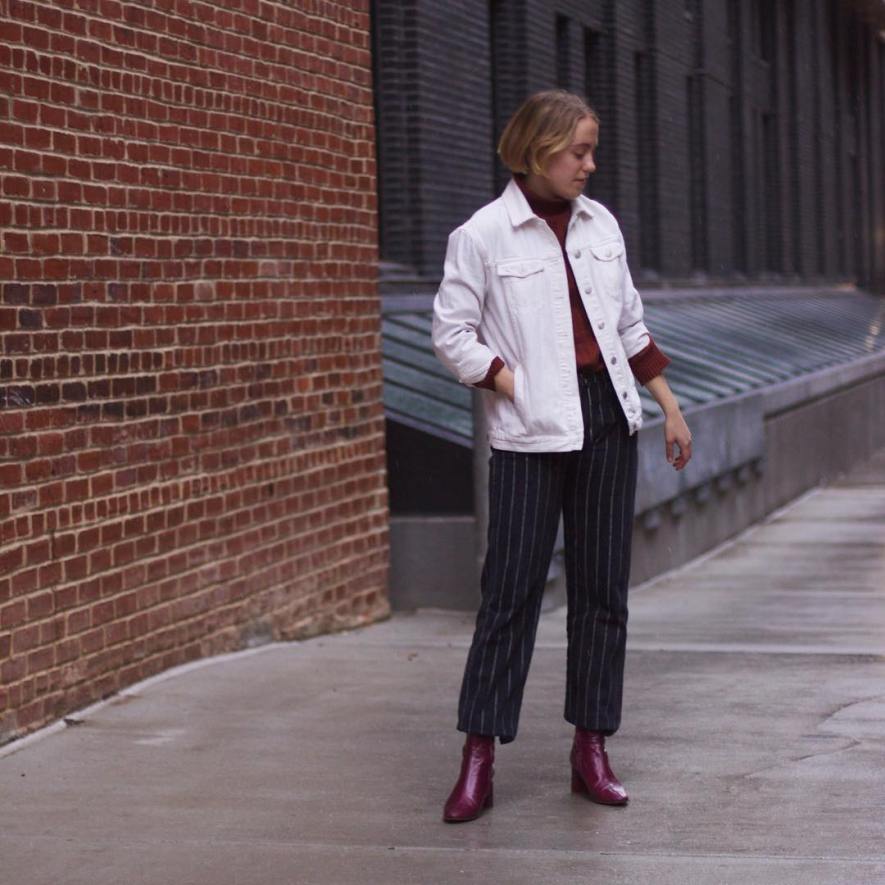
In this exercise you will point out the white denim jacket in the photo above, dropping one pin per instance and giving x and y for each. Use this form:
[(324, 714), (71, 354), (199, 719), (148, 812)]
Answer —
[(505, 293)]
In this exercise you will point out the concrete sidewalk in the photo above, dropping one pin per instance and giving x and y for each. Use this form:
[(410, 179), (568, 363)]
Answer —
[(753, 744)]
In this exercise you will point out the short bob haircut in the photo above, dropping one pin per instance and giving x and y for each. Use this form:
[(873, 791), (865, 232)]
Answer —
[(543, 126)]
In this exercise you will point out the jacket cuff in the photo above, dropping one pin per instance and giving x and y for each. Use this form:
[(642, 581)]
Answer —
[(649, 362), (488, 383)]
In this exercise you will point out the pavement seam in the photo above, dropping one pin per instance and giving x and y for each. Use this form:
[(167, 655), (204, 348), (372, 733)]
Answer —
[(461, 849)]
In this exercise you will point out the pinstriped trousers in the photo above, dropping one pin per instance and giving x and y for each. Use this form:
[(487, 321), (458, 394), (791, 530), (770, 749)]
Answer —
[(594, 490)]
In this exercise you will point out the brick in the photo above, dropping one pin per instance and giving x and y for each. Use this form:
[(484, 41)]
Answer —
[(11, 559), (25, 638), (13, 615), (40, 606), (66, 651), (40, 661), (13, 670)]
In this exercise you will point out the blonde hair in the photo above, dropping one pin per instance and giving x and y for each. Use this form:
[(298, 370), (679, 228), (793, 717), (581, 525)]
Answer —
[(542, 126)]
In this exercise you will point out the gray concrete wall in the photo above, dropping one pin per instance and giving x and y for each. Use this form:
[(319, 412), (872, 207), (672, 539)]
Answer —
[(754, 454), (818, 440)]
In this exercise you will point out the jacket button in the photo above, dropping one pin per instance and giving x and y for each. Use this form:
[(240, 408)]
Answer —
[(614, 360), (588, 290), (625, 397), (577, 253), (602, 325)]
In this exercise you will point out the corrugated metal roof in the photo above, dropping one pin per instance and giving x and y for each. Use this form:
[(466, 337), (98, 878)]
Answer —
[(418, 390), (721, 345)]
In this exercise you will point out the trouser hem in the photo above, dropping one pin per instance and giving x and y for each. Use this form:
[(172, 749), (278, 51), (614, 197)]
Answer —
[(605, 728), (502, 738)]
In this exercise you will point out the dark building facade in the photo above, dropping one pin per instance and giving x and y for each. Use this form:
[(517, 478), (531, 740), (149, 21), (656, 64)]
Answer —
[(741, 140), (742, 150)]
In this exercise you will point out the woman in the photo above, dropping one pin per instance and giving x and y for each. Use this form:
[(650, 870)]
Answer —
[(537, 307)]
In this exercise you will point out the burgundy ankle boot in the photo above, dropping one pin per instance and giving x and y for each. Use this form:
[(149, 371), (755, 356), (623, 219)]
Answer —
[(473, 791), (591, 773)]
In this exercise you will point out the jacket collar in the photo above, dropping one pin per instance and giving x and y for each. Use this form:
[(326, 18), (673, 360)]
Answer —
[(520, 212)]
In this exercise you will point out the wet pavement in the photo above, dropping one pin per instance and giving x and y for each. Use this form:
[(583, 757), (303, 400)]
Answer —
[(752, 744)]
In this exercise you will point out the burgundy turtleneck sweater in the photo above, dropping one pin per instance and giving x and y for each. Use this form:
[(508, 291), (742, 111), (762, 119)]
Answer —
[(647, 364)]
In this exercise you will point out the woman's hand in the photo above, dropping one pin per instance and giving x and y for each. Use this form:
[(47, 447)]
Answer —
[(677, 435), (504, 383), (676, 432)]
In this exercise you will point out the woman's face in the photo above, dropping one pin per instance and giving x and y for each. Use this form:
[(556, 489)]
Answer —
[(567, 170)]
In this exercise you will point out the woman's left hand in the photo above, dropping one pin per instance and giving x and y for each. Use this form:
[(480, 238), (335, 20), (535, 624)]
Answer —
[(677, 435)]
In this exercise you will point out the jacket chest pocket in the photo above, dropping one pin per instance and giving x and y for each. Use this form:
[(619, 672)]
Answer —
[(524, 283), (608, 265)]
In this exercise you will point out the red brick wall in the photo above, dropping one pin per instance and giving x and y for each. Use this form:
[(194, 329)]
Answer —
[(191, 433)]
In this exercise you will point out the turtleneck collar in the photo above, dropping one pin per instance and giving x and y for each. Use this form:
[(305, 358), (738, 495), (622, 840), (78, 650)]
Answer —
[(540, 206)]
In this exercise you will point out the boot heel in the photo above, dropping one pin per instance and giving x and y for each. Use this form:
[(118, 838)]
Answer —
[(490, 801), (578, 785)]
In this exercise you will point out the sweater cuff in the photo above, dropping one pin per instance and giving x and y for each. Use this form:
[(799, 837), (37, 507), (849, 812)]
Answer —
[(649, 362), (488, 383)]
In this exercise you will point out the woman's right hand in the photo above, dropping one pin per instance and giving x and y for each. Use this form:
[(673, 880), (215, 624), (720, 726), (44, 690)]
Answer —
[(504, 383)]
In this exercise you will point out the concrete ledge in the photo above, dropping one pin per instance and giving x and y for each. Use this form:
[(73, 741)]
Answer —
[(726, 434), (754, 453), (729, 434), (433, 562), (806, 388)]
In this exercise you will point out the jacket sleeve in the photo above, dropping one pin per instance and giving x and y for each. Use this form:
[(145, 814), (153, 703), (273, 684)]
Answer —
[(649, 362), (634, 334), (457, 310)]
